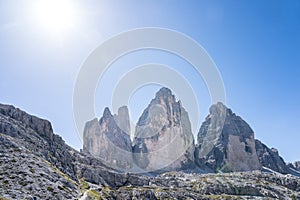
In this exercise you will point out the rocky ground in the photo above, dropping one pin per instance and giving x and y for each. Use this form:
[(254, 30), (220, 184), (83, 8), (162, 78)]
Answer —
[(174, 185), (23, 175)]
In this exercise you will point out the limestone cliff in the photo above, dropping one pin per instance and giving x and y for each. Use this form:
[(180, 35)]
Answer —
[(163, 137), (105, 140), (122, 119), (226, 142)]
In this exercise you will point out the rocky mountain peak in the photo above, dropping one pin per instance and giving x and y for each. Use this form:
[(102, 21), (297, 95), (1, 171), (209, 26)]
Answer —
[(122, 119), (106, 140), (164, 101), (164, 97), (164, 92), (107, 113), (295, 165), (163, 124), (219, 109), (107, 121), (226, 141)]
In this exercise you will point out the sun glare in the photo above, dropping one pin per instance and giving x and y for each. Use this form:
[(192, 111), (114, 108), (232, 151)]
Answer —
[(55, 15)]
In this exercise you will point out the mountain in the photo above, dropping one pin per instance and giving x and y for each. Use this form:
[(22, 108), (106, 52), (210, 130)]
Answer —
[(36, 163), (122, 119), (163, 141), (226, 142), (37, 136), (270, 158), (28, 171), (107, 141), (296, 165), (163, 138)]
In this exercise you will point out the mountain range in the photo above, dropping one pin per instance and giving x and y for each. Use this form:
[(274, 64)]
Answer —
[(162, 159)]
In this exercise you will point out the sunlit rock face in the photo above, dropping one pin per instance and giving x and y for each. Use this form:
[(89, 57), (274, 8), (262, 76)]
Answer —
[(226, 142), (122, 119), (105, 140), (163, 138)]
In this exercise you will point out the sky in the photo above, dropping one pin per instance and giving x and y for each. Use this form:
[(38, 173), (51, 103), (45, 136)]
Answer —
[(254, 44)]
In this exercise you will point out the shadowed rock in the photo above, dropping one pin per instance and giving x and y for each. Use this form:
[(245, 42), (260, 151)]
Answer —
[(226, 142), (295, 165), (270, 158)]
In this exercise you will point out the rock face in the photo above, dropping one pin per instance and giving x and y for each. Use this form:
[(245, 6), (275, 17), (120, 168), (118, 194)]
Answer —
[(34, 162), (122, 119), (270, 158), (226, 142), (24, 175), (295, 165), (104, 139), (163, 137), (37, 135)]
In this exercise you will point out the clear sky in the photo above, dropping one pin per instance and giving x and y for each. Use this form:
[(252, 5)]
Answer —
[(255, 45)]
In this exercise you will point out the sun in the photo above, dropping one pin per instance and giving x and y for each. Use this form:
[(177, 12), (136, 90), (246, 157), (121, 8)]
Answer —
[(55, 16)]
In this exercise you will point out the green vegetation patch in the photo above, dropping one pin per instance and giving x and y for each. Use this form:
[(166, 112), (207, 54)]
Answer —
[(60, 172), (83, 185), (94, 194)]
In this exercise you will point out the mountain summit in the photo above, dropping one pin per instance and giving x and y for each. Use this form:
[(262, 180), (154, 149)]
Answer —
[(36, 163), (226, 141), (163, 138), (107, 141)]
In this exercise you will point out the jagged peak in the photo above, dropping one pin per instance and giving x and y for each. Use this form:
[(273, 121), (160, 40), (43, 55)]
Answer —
[(165, 97), (123, 108), (106, 112), (218, 108), (122, 119), (164, 92)]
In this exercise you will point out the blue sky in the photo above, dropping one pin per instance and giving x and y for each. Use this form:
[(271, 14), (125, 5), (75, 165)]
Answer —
[(255, 45)]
